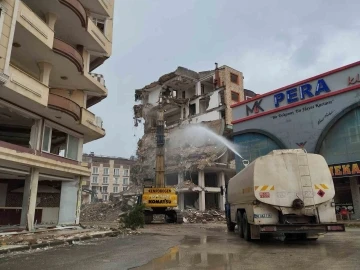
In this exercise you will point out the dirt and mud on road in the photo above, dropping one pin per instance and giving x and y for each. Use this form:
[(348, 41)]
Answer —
[(194, 246)]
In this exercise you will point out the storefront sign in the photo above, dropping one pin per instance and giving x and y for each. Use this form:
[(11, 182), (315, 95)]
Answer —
[(345, 169), (256, 108), (300, 93)]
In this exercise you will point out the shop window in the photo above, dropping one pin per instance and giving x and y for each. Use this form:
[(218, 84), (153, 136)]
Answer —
[(342, 142), (60, 143), (235, 96), (234, 78), (252, 146)]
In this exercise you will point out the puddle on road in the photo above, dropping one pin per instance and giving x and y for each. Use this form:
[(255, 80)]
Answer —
[(228, 251), (204, 252)]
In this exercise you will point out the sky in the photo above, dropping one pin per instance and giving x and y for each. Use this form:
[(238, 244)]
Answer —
[(274, 43)]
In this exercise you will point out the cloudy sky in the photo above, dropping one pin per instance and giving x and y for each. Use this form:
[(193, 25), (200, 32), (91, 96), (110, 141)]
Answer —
[(274, 43)]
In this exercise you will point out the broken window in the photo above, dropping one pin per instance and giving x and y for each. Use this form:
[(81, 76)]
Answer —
[(184, 113), (174, 93), (100, 23), (192, 109), (202, 89), (222, 114), (60, 143), (183, 94), (234, 78), (234, 96)]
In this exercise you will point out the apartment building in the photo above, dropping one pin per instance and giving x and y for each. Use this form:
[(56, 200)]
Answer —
[(48, 50), (198, 169), (109, 175)]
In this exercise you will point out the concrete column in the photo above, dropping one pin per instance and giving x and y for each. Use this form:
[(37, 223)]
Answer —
[(201, 179), (221, 183), (181, 199), (45, 70), (198, 89), (355, 193), (29, 199), (68, 202), (51, 20), (197, 106), (77, 221)]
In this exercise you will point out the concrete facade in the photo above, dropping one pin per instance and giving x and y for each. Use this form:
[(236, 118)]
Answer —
[(48, 50), (109, 175), (320, 115), (189, 98)]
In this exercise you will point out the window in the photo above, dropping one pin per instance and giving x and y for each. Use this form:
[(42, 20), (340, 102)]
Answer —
[(105, 180), (125, 181), (106, 171), (60, 143), (95, 170), (192, 109), (94, 189), (94, 179), (234, 78), (124, 188), (183, 94), (126, 172), (104, 189), (234, 96), (105, 197), (202, 89), (100, 23), (116, 189), (116, 180), (116, 171)]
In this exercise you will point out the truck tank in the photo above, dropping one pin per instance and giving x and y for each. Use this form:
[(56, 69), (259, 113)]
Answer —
[(282, 177)]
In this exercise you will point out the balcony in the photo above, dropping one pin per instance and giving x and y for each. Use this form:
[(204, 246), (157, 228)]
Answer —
[(69, 52), (102, 7), (32, 23), (26, 85), (89, 120), (57, 102), (72, 24)]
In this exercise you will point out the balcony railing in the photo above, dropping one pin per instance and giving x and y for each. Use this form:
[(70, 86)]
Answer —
[(69, 52), (65, 105), (77, 8), (89, 120), (28, 86)]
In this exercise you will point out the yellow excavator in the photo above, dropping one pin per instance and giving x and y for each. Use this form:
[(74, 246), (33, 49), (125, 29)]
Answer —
[(159, 199)]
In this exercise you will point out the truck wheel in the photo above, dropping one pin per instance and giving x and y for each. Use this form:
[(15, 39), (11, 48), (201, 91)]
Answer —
[(246, 227), (240, 225), (230, 225)]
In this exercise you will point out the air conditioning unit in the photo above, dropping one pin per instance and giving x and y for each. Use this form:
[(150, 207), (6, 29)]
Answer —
[(98, 121)]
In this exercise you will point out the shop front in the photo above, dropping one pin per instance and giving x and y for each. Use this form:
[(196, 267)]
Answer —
[(321, 115)]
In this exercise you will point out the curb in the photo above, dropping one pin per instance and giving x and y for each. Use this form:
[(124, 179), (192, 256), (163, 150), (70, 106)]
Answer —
[(58, 242)]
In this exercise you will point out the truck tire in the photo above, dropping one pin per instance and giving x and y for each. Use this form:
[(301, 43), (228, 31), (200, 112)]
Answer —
[(246, 227), (240, 225)]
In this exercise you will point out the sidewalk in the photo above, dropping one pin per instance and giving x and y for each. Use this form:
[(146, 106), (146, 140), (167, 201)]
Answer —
[(21, 241)]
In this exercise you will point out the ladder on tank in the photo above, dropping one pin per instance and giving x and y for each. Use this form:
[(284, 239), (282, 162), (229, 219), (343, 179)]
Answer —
[(306, 183)]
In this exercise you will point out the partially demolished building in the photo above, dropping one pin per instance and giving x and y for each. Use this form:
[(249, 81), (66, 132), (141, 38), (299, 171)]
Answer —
[(197, 166)]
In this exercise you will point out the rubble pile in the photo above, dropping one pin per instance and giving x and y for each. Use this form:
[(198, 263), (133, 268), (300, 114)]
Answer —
[(188, 184), (208, 216), (107, 211)]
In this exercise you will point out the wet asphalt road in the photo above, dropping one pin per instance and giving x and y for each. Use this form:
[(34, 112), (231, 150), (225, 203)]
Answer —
[(192, 247)]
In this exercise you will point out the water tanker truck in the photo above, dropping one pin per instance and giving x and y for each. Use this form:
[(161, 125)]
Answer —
[(287, 192)]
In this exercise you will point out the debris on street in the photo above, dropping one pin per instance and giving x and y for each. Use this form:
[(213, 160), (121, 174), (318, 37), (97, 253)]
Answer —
[(208, 216)]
